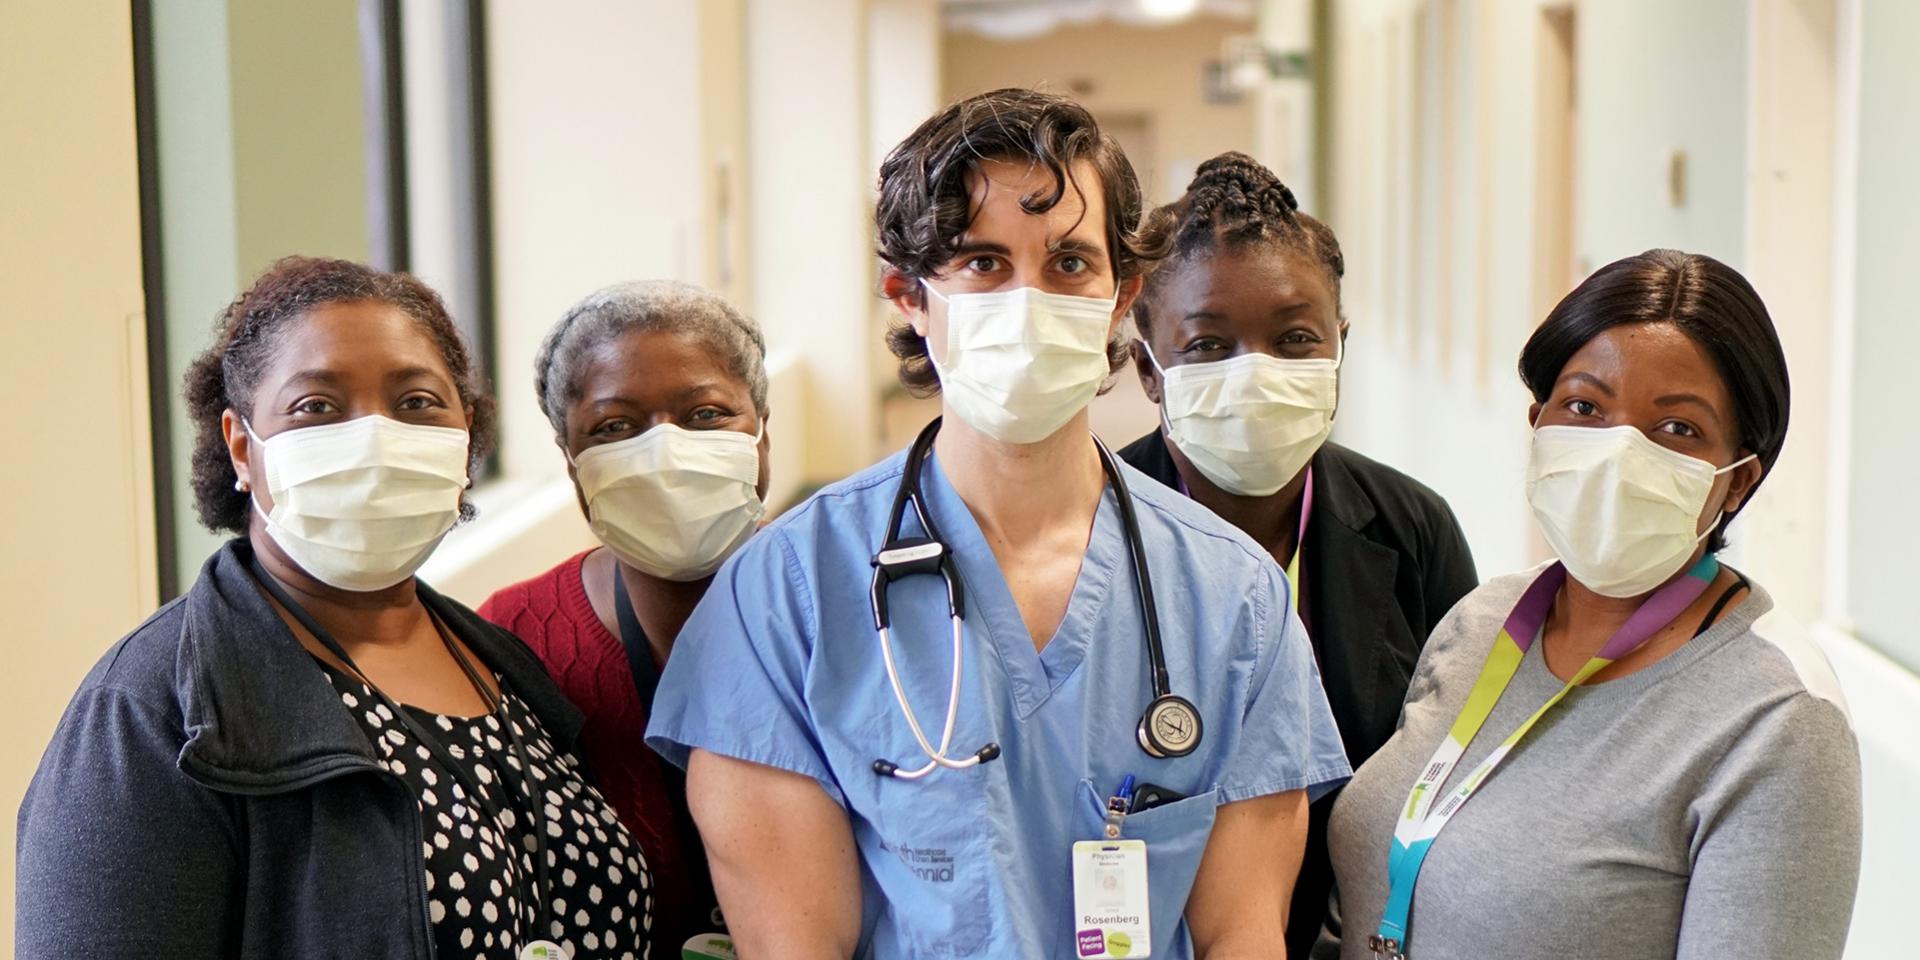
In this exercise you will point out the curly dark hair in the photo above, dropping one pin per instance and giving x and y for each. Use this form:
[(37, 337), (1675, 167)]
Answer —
[(226, 375), (925, 207), (1714, 306), (1233, 201)]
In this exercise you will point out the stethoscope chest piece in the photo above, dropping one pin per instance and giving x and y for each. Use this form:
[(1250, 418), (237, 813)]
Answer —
[(1169, 728)]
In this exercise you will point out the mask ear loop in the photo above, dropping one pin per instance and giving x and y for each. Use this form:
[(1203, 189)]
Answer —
[(1162, 371), (1715, 525), (241, 483)]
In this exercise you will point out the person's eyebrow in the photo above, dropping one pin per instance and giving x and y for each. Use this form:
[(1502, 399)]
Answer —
[(967, 248), (1590, 380), (700, 388), (320, 376), (692, 391), (1076, 245), (414, 372), (1676, 399)]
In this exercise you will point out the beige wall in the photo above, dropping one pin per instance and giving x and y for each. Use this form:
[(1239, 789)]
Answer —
[(1122, 73), (72, 334)]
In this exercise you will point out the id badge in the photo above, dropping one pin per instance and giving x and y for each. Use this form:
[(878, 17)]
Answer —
[(1110, 899), (708, 946)]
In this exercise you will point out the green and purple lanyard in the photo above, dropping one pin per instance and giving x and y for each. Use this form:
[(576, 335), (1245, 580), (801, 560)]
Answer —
[(1420, 820)]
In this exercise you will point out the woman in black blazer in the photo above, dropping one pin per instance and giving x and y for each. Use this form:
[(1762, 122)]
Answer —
[(1241, 343)]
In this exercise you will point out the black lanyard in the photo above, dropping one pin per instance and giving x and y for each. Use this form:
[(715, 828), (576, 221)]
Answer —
[(496, 706), (646, 676)]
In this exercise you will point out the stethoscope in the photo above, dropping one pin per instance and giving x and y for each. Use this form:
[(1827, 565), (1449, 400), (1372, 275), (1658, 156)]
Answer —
[(1170, 727)]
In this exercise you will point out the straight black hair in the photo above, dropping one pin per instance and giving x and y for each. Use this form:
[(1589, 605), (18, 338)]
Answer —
[(1708, 301)]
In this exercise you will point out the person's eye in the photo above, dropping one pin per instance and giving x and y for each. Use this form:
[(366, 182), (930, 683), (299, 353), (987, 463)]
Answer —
[(1299, 337), (1680, 428), (1074, 265), (1204, 345), (709, 415), (418, 401), (981, 264), (616, 425), (1582, 408), (315, 407)]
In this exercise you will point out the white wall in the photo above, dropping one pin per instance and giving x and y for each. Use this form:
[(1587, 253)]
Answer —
[(76, 497), (1878, 453), (1656, 77), (1406, 370), (595, 126), (1885, 443), (596, 134), (814, 283), (1792, 127)]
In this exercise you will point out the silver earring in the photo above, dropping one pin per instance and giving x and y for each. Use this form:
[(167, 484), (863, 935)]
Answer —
[(240, 485)]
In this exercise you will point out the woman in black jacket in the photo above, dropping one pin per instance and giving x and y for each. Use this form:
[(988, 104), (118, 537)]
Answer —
[(313, 754), (1241, 344)]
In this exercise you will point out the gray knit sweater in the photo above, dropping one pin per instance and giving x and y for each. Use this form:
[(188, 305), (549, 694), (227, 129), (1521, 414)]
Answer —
[(1707, 806)]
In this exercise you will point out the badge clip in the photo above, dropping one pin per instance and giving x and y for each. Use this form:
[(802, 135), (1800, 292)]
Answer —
[(1118, 806)]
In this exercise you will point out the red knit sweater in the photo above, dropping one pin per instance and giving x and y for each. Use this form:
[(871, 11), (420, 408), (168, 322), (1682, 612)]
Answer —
[(552, 614)]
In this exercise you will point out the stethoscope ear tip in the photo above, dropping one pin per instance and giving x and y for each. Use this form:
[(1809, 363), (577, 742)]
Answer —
[(885, 768), (989, 752)]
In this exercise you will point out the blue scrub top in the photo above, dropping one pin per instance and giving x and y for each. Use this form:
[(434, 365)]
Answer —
[(780, 665)]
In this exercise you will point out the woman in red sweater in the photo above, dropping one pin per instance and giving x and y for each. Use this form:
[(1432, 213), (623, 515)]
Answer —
[(657, 393)]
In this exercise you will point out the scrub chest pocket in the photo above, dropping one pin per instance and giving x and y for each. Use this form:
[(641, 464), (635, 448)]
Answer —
[(1175, 834), (929, 855)]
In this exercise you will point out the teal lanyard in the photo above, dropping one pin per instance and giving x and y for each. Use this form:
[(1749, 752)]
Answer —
[(1420, 820)]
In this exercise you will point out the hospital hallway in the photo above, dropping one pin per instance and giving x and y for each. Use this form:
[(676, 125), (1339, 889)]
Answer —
[(1477, 158)]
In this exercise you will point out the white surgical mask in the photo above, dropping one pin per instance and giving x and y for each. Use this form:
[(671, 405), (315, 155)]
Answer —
[(360, 505), (1249, 424), (1018, 364), (1620, 511), (674, 503)]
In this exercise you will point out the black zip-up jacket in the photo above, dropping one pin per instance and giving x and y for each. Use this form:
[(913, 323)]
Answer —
[(207, 796), (1384, 560)]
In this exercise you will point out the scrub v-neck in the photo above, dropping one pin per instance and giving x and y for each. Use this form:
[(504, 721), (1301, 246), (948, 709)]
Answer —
[(1033, 673)]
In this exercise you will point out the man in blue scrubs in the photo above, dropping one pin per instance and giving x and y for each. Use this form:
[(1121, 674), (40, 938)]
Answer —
[(1008, 225)]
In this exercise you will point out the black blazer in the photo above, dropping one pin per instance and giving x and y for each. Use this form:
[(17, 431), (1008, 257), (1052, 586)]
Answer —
[(1384, 560)]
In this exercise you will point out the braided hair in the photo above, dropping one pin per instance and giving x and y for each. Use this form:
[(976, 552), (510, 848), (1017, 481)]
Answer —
[(1233, 201)]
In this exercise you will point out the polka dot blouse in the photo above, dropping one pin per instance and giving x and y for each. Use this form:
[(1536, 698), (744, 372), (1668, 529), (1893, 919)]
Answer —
[(480, 868)]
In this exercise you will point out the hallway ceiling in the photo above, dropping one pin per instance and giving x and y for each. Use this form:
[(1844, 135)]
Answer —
[(1021, 19)]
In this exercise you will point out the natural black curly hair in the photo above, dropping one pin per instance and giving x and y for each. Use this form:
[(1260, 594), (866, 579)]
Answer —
[(245, 335), (1233, 201), (925, 206)]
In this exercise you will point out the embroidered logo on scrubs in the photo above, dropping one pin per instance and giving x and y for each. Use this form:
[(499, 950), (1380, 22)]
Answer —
[(933, 864)]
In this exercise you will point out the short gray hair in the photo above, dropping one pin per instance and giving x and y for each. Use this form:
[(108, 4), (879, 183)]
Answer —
[(661, 305)]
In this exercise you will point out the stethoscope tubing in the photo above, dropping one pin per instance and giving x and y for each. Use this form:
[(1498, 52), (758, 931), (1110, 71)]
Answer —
[(935, 758), (897, 558)]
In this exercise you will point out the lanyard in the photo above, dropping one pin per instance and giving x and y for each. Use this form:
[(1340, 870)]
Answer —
[(646, 677), (1299, 541), (468, 783), (1420, 821)]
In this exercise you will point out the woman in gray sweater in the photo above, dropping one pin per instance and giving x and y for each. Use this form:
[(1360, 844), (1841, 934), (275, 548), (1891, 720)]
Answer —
[(1622, 754)]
